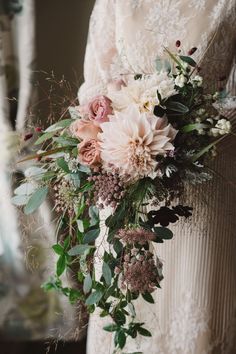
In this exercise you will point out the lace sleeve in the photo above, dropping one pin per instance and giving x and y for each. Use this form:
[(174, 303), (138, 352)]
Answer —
[(100, 51)]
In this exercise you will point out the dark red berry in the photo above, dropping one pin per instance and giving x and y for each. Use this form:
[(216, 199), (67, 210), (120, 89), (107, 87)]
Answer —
[(178, 44), (192, 50), (28, 136)]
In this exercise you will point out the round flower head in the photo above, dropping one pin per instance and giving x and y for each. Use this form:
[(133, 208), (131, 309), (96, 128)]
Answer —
[(131, 140), (140, 273), (135, 235)]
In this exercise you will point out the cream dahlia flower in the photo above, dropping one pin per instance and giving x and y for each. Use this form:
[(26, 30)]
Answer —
[(143, 92), (131, 140)]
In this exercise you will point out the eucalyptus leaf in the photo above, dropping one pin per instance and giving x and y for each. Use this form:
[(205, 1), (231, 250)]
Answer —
[(44, 137), (91, 236), (25, 189), (106, 272), (79, 250), (94, 215), (36, 199), (20, 200), (59, 125), (74, 113), (94, 298), (66, 141), (35, 172), (87, 283), (63, 165), (80, 225)]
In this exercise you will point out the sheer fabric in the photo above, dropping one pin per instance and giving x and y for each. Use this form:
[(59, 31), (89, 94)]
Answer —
[(195, 311)]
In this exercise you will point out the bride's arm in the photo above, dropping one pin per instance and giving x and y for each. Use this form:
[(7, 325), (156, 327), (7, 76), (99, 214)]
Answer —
[(100, 51)]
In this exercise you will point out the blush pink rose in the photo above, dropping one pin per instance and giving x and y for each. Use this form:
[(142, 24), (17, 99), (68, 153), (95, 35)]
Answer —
[(84, 129), (89, 152), (99, 109)]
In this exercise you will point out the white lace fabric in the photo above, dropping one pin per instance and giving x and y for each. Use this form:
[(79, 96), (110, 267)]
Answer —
[(195, 311)]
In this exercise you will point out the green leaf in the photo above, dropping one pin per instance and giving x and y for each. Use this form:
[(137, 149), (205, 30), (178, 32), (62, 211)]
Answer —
[(144, 332), (148, 297), (63, 165), (110, 328), (44, 137), (20, 200), (80, 225), (87, 283), (61, 265), (58, 249), (120, 318), (59, 125), (35, 172), (74, 113), (190, 127), (188, 60), (25, 189), (36, 199), (163, 233), (66, 141), (91, 236), (94, 215), (94, 298), (75, 179), (79, 250), (106, 272), (177, 107), (206, 149), (121, 339)]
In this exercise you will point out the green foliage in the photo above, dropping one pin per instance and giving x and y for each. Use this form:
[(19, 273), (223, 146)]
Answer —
[(106, 272), (36, 199)]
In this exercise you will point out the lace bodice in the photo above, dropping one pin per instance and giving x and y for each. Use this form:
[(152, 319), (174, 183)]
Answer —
[(127, 36)]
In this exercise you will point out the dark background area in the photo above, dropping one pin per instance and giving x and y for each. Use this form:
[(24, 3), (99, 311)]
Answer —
[(42, 348), (61, 34)]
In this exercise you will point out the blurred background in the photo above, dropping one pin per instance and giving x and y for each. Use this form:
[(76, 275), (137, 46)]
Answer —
[(42, 44)]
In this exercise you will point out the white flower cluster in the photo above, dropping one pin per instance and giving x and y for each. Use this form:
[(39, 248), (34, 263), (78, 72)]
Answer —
[(222, 127)]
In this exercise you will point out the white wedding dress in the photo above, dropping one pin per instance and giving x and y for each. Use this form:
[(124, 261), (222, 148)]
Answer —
[(195, 311)]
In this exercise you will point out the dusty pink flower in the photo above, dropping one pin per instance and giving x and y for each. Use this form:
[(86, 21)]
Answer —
[(141, 274), (89, 152), (84, 129), (99, 109), (136, 235)]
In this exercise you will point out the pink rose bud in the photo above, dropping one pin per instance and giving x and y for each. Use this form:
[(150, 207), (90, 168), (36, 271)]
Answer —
[(99, 109), (28, 136), (84, 129), (89, 152)]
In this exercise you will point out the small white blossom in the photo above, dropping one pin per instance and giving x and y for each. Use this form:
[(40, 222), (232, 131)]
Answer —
[(222, 127), (197, 81), (180, 80)]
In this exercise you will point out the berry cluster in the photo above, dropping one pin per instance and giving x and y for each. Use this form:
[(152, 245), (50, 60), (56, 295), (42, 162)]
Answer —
[(65, 197), (108, 189), (140, 272)]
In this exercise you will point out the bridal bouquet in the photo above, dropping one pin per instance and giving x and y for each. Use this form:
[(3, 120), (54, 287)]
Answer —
[(130, 152)]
